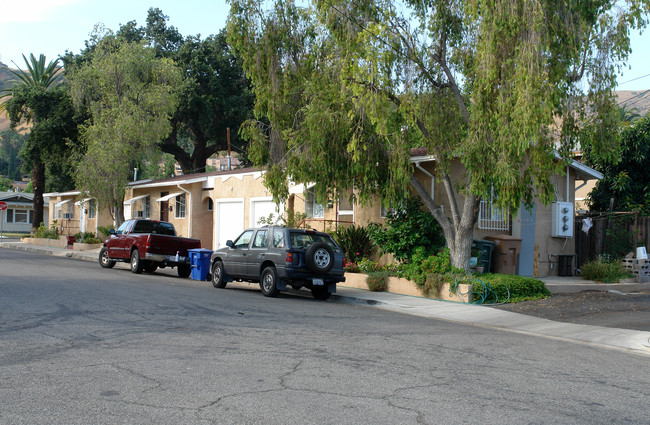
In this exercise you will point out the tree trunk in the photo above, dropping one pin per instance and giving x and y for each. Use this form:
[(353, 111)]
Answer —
[(38, 182), (119, 214), (459, 230)]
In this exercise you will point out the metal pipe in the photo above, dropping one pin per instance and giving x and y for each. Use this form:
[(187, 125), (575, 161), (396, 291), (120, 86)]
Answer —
[(189, 210), (582, 185), (568, 171)]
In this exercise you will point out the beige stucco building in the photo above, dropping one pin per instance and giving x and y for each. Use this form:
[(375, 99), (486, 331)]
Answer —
[(218, 206), (75, 212)]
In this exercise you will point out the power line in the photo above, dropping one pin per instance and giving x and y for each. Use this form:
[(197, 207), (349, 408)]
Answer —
[(634, 79), (627, 101)]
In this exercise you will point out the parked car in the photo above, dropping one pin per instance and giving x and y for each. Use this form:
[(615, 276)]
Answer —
[(280, 256), (147, 245)]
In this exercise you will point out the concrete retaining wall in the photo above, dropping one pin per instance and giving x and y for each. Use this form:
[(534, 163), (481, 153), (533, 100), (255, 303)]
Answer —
[(398, 285)]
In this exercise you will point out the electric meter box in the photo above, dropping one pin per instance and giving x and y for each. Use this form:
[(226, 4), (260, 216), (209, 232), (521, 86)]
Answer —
[(562, 219)]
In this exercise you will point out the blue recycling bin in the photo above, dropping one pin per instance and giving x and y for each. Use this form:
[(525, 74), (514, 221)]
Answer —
[(199, 263)]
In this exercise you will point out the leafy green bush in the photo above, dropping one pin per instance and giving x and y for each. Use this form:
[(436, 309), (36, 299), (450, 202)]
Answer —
[(604, 271), (408, 228), (422, 264), (366, 265), (47, 233), (86, 237), (500, 288), (355, 241), (378, 281), (104, 230)]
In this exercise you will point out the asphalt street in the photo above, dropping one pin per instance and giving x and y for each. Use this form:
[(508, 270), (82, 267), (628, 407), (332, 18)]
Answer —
[(80, 344)]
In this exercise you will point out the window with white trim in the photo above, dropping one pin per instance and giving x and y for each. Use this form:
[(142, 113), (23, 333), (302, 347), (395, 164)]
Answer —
[(491, 217), (92, 208), (146, 207), (179, 211), (18, 216), (383, 211), (312, 208)]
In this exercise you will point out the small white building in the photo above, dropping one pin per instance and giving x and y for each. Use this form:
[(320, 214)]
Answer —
[(19, 215)]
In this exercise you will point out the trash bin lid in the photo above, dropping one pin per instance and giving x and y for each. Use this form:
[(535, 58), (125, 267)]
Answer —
[(483, 242)]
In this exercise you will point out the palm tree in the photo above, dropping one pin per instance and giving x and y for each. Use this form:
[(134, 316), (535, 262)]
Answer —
[(627, 114), (24, 101)]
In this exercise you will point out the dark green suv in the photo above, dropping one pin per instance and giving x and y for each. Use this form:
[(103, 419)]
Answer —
[(280, 256)]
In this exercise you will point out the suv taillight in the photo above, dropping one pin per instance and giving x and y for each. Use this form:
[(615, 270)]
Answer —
[(289, 257)]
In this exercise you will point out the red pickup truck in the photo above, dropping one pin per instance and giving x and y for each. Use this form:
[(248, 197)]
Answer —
[(147, 245)]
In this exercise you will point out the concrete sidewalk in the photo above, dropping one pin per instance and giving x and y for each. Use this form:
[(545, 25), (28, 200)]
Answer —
[(620, 339)]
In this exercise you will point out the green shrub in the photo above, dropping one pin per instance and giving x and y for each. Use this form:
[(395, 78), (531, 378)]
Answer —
[(47, 233), (366, 265), (105, 231), (408, 228), (604, 271), (86, 237), (355, 241), (505, 288), (422, 265), (351, 266), (378, 281)]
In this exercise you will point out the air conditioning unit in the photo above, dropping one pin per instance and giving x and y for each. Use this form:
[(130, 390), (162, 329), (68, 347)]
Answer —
[(67, 215), (562, 219), (138, 214)]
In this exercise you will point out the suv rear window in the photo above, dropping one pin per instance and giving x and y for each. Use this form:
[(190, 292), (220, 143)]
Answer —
[(303, 240)]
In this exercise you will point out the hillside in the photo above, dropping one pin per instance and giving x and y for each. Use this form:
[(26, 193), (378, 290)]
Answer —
[(638, 99), (5, 76)]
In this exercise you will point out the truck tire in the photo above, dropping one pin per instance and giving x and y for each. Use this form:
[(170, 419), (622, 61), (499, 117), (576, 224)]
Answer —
[(184, 270), (269, 282), (136, 262), (320, 293), (104, 261), (217, 275), (150, 267), (319, 257)]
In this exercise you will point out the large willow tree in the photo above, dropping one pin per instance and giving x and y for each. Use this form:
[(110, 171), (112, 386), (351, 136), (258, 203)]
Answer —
[(130, 95), (344, 90)]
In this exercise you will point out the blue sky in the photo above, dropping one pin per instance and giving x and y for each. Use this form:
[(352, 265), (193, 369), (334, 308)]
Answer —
[(54, 26)]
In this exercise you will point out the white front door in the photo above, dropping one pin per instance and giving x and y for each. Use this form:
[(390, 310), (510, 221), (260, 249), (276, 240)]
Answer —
[(229, 221)]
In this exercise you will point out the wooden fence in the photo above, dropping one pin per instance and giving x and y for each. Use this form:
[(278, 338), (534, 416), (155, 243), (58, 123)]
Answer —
[(614, 234)]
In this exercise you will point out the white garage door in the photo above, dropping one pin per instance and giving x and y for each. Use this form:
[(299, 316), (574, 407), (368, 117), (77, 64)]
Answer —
[(263, 208), (229, 221)]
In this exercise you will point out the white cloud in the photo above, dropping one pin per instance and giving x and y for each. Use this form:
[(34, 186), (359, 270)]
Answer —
[(34, 11)]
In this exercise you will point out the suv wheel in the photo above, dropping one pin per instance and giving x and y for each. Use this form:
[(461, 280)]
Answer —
[(319, 257), (217, 275), (268, 282)]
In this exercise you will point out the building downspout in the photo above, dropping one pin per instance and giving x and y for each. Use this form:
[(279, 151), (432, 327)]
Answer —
[(189, 210), (568, 176)]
